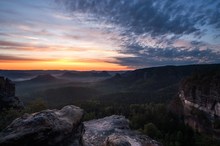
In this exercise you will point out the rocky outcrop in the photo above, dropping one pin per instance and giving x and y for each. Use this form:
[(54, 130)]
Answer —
[(85, 74), (7, 87), (50, 127), (200, 95), (7, 94), (205, 96), (65, 128), (114, 131)]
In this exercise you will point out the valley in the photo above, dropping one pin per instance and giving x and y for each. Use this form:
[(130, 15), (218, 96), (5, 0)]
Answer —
[(149, 98)]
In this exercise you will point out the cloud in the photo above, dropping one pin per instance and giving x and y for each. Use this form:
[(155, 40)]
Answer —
[(32, 47), (149, 16), (133, 33), (12, 45), (11, 58), (156, 32), (170, 56)]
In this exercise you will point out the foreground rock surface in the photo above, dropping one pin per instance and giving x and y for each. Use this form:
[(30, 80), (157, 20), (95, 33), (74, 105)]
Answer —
[(114, 131), (65, 128), (50, 127)]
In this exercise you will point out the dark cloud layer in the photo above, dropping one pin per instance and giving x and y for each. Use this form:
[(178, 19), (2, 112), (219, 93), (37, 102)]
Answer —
[(158, 19), (163, 56)]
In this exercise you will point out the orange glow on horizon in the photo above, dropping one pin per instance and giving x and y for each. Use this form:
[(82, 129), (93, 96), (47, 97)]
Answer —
[(62, 65)]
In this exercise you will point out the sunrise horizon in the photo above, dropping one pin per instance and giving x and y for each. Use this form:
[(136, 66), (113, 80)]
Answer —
[(106, 35), (69, 69), (100, 70), (61, 65)]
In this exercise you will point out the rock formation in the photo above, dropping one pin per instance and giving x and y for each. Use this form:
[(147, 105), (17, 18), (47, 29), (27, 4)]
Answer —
[(200, 95), (65, 128), (114, 131), (50, 128), (7, 94)]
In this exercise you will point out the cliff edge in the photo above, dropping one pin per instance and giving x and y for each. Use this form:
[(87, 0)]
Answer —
[(200, 96)]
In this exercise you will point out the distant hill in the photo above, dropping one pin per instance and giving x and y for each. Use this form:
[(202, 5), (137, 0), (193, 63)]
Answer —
[(78, 74), (40, 79), (155, 82), (158, 77), (23, 75), (15, 74), (43, 78)]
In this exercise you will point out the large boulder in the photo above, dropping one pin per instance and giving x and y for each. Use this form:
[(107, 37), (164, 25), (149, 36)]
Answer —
[(114, 131), (49, 127)]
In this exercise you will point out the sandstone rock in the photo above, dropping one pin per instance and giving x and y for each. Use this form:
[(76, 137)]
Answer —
[(203, 92), (7, 95), (50, 127), (200, 96), (114, 131), (116, 140)]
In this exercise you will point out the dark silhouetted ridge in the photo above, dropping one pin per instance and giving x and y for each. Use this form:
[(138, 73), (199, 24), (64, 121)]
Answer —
[(44, 78)]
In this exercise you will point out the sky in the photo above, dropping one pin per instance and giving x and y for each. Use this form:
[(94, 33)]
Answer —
[(108, 34)]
